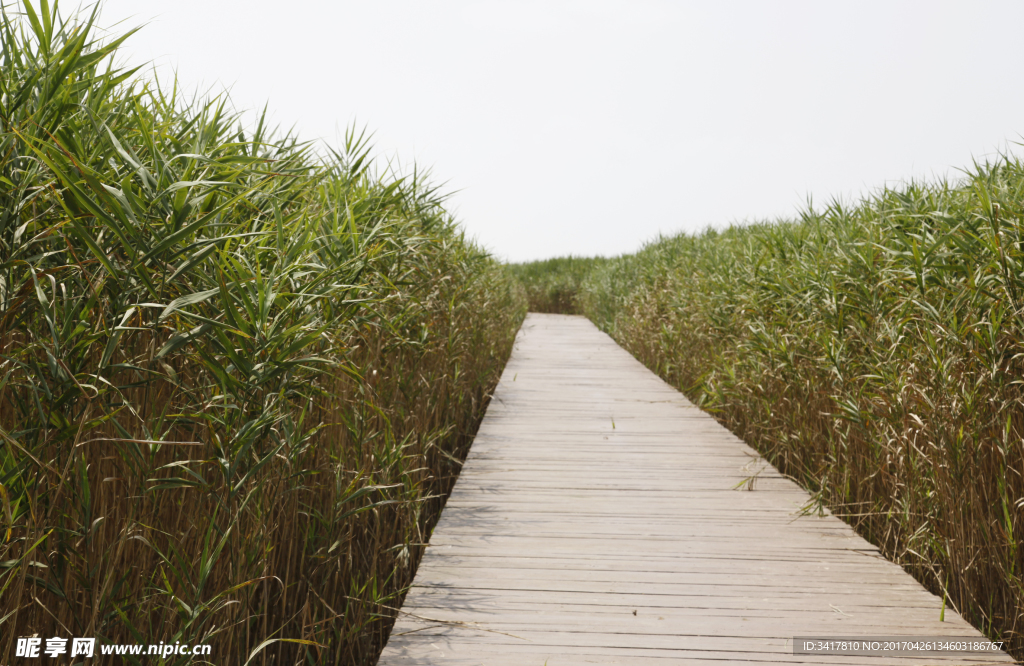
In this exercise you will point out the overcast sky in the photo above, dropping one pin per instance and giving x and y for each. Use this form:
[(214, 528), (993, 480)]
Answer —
[(589, 127)]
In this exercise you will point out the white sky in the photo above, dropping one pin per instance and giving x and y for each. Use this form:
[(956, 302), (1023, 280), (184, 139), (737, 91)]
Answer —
[(588, 127)]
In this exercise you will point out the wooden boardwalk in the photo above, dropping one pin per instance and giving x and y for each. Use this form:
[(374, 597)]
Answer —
[(596, 521)]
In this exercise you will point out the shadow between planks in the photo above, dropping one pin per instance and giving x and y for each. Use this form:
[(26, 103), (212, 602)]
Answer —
[(601, 518)]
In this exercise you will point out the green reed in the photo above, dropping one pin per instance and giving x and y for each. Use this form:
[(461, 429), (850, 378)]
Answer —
[(237, 374), (874, 352), (553, 285)]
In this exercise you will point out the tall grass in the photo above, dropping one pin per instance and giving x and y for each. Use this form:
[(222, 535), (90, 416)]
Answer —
[(553, 285), (236, 375), (872, 351)]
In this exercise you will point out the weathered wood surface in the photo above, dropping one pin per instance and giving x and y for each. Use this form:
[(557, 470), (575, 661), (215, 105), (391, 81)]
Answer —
[(597, 521)]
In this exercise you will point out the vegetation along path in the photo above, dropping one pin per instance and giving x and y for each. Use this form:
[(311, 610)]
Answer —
[(602, 518)]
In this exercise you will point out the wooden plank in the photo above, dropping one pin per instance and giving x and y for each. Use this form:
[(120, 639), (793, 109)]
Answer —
[(598, 520)]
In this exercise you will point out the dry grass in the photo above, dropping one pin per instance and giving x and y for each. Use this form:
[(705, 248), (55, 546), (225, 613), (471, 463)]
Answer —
[(236, 376)]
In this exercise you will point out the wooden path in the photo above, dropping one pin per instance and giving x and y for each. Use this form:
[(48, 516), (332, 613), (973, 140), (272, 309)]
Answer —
[(596, 521)]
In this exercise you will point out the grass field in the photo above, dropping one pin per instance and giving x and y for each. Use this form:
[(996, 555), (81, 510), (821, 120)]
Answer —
[(872, 351), (237, 372), (553, 285)]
